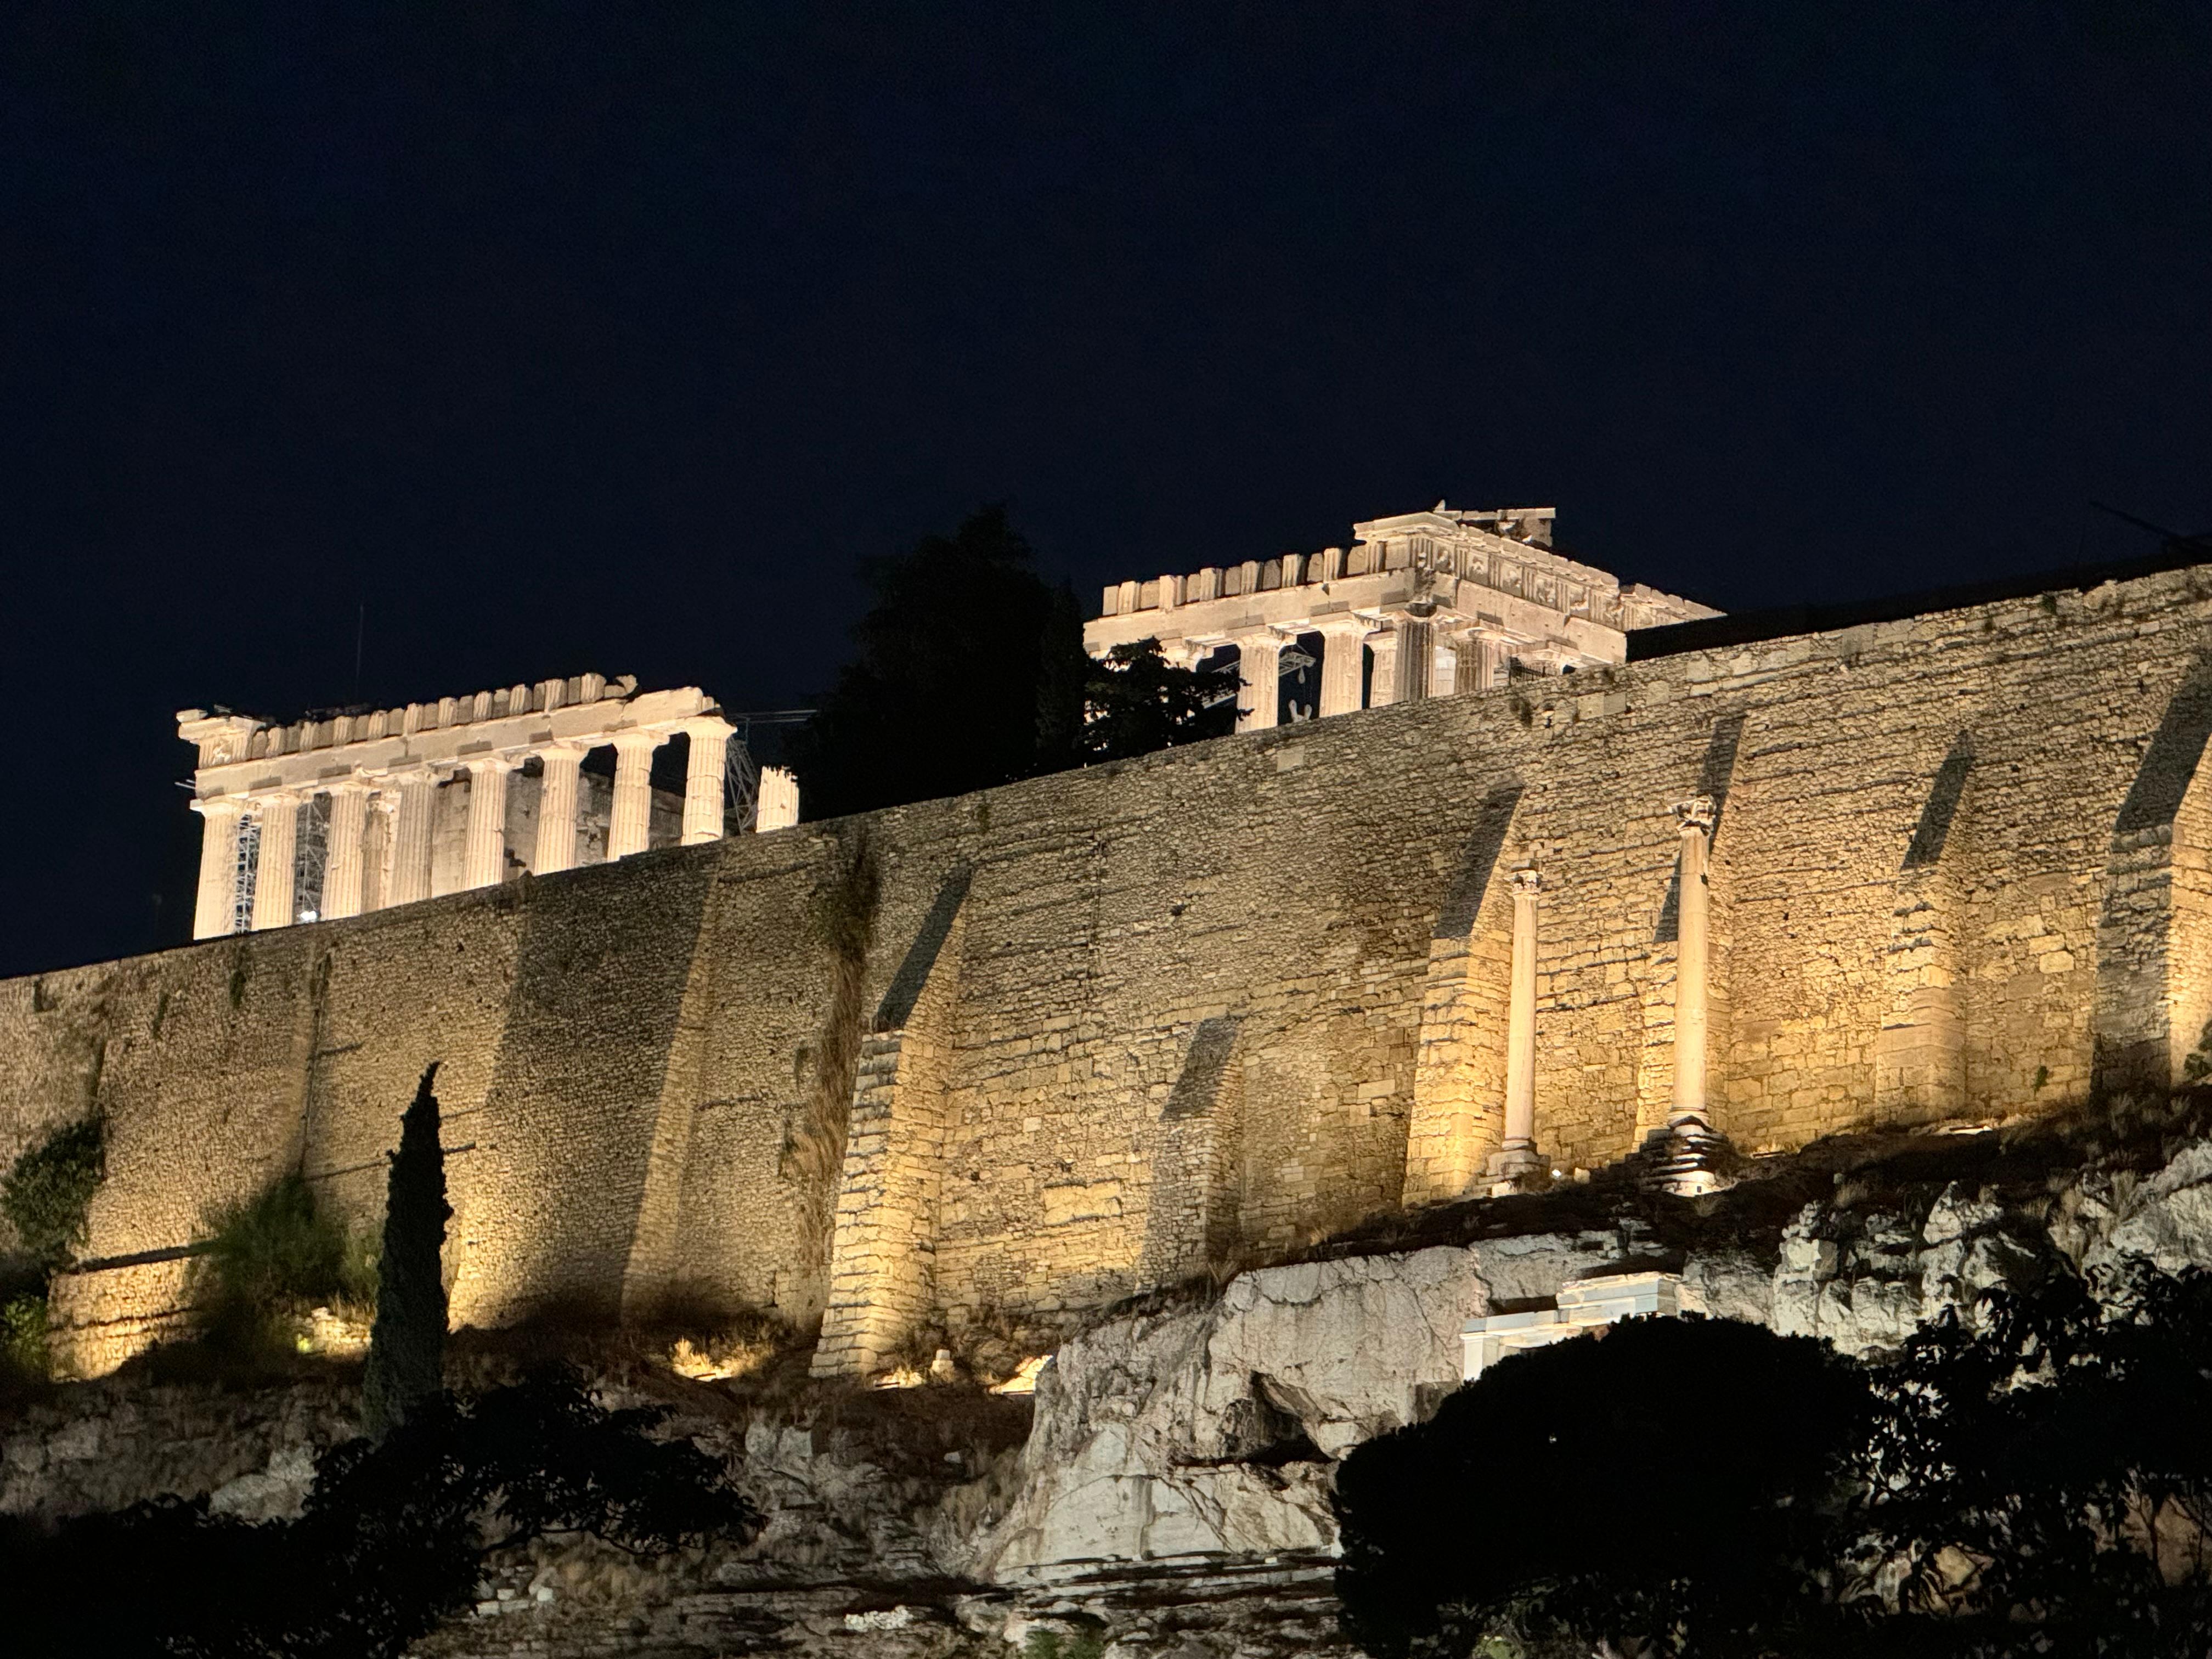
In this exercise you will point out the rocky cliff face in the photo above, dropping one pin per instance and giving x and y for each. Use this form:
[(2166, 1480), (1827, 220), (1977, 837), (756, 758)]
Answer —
[(1176, 1435), (1172, 1494)]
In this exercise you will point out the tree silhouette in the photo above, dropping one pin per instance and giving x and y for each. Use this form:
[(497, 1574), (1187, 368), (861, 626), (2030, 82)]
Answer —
[(2033, 1481), (963, 680), (1672, 1480), (393, 1537), (407, 1344), (2039, 1481), (1138, 702)]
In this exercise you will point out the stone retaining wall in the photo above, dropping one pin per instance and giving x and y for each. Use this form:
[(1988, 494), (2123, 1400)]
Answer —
[(1203, 1003)]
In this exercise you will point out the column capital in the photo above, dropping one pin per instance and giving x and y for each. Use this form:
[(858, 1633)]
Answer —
[(637, 741), (356, 785), (702, 725), (219, 807), (1696, 813), (1339, 627), (1527, 884), (500, 761)]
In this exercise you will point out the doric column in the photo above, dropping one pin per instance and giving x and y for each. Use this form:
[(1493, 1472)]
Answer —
[(1517, 1166), (702, 779), (273, 872), (1260, 666), (485, 863), (1382, 684), (213, 909), (1343, 642), (1415, 661), (778, 804), (557, 810), (410, 835), (632, 826), (1490, 658), (1691, 915), (1445, 662), (342, 862)]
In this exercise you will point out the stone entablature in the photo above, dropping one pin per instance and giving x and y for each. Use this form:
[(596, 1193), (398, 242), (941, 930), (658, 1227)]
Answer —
[(1579, 1309), (381, 771), (1446, 601)]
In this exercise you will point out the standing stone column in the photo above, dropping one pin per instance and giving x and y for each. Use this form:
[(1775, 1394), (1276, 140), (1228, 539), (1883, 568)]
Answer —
[(1691, 962), (1341, 664), (1260, 666), (1517, 1163), (410, 835), (343, 871), (557, 810), (272, 873), (1492, 659), (631, 829), (214, 906), (1688, 1155), (1417, 653), (485, 863), (778, 804), (1382, 685), (702, 780)]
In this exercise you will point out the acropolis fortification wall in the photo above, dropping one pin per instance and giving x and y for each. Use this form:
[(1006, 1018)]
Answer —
[(1095, 1030)]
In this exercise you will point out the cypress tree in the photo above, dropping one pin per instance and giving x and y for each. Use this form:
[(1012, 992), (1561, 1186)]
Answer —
[(407, 1344)]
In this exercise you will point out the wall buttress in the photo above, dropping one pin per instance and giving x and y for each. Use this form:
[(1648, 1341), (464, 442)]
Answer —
[(883, 1252)]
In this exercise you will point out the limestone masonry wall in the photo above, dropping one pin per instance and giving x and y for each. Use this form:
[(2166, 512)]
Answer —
[(1117, 1023)]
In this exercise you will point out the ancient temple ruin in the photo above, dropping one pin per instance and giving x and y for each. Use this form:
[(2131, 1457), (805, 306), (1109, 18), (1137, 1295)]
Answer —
[(359, 812), (1424, 605)]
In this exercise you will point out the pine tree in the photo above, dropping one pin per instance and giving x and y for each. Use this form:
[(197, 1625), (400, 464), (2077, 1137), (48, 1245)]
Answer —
[(1141, 702), (947, 692), (407, 1344)]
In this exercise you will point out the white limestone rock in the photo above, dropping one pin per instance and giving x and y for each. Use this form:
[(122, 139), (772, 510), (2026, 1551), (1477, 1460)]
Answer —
[(277, 1490), (1216, 1431), (2165, 1221)]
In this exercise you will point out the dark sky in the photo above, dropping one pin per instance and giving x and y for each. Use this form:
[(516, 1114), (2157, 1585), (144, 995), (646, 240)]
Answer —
[(588, 337)]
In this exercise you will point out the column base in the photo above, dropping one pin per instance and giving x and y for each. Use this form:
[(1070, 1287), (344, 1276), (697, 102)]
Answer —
[(1518, 1168), (1688, 1157)]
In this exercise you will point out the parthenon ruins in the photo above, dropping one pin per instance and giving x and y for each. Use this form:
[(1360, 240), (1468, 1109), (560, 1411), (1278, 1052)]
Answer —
[(338, 816), (1423, 604)]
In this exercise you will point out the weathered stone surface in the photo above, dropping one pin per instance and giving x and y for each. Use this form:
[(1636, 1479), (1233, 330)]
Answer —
[(106, 1445), (2165, 1220), (1174, 1487), (1905, 926), (1213, 1430)]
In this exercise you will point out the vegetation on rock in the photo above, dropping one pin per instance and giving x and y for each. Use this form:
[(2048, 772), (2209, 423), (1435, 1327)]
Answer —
[(44, 1196), (393, 1536), (407, 1344), (24, 1358), (49, 1188), (271, 1259)]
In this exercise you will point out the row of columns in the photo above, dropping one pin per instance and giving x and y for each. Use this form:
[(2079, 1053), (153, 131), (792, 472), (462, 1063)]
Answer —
[(409, 792), (1518, 1159), (1403, 665)]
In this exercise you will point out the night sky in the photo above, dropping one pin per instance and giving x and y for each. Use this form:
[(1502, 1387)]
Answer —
[(578, 337)]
